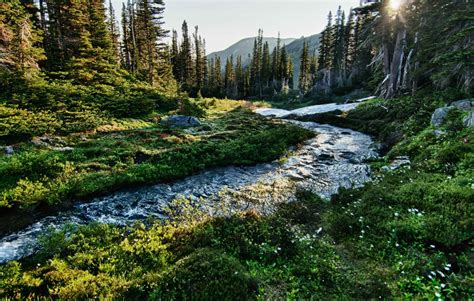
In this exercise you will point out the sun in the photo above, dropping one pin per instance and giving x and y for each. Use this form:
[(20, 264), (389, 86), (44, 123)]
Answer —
[(395, 4)]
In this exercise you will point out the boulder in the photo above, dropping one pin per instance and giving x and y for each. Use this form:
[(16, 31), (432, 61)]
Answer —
[(465, 105), (181, 121), (9, 150), (439, 115)]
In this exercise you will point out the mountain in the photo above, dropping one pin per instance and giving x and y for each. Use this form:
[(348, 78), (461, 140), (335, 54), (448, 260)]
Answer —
[(244, 48), (294, 50)]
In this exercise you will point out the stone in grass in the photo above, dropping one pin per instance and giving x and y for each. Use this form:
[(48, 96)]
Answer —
[(181, 121), (9, 150), (465, 105)]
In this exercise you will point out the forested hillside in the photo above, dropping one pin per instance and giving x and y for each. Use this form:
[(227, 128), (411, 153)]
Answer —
[(243, 48), (124, 175)]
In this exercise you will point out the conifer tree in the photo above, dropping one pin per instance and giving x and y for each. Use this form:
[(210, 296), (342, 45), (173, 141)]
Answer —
[(240, 77), (200, 59), (266, 70), (175, 57), (114, 32), (186, 59), (229, 78), (325, 48), (305, 65), (18, 41)]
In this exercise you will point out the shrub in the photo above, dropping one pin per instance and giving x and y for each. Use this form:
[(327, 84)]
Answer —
[(206, 275), (18, 124)]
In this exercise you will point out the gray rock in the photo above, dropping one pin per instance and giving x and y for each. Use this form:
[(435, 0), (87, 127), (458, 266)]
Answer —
[(439, 115), (9, 150), (63, 149), (469, 120), (439, 133), (181, 121), (465, 105)]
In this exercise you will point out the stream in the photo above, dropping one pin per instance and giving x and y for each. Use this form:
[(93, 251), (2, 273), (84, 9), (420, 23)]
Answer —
[(335, 158)]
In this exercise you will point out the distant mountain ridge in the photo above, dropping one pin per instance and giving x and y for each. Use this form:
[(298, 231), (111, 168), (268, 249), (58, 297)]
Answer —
[(293, 46), (244, 48)]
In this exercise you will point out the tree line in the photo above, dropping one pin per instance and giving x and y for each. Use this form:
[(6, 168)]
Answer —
[(377, 48), (395, 50), (81, 40), (270, 71)]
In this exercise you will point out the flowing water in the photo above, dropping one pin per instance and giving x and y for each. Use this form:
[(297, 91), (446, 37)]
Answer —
[(334, 159)]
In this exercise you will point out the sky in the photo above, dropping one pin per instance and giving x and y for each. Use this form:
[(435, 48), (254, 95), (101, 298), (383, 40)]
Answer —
[(224, 22)]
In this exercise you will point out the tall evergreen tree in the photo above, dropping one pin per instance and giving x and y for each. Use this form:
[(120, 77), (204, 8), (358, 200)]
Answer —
[(229, 78), (175, 56), (186, 58), (305, 65), (266, 70), (18, 41), (200, 59), (114, 32)]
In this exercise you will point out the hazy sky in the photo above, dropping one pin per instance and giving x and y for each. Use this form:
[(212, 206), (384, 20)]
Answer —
[(224, 22)]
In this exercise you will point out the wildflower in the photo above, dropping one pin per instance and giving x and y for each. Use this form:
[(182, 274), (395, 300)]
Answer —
[(443, 285), (319, 230), (441, 274), (438, 295), (433, 246), (396, 214)]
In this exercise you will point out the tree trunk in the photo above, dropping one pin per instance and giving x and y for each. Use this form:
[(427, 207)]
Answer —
[(397, 63)]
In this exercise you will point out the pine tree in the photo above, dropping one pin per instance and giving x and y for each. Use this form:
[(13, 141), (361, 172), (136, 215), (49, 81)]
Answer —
[(325, 48), (240, 77), (290, 75), (305, 65), (200, 59), (229, 78), (18, 41), (266, 70), (186, 59), (276, 63), (175, 56), (350, 38), (218, 75), (114, 32)]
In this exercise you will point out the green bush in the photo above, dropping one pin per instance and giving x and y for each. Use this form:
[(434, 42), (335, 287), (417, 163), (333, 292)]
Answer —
[(206, 275), (18, 124)]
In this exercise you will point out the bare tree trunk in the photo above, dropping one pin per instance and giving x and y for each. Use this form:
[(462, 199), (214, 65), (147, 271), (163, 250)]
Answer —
[(397, 62)]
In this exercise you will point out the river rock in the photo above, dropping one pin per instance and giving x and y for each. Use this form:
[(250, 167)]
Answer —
[(181, 121)]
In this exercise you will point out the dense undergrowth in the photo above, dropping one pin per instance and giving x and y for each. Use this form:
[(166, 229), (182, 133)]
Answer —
[(408, 234)]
